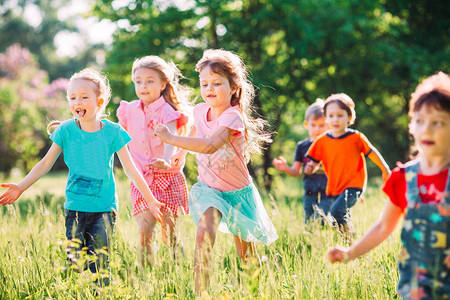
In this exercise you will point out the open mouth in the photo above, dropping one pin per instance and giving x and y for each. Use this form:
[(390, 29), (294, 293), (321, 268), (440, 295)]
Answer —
[(427, 143), (80, 112)]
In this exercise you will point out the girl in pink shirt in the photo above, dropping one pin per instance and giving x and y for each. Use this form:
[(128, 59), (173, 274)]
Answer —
[(224, 135), (161, 100)]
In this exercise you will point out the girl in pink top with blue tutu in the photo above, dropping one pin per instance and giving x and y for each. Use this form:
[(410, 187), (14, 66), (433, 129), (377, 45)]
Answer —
[(224, 136), (162, 100)]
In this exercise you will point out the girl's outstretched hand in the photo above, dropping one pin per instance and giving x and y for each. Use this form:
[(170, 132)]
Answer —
[(155, 209), (338, 254), (162, 131), (12, 193), (280, 163)]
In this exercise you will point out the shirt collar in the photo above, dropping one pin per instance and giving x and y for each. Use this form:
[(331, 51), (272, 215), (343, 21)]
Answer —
[(154, 105)]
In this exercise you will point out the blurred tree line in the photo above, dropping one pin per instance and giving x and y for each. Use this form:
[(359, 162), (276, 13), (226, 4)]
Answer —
[(297, 51)]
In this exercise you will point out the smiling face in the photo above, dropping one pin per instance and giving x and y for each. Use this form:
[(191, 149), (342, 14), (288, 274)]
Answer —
[(337, 119), (83, 99), (216, 89), (148, 84), (431, 130)]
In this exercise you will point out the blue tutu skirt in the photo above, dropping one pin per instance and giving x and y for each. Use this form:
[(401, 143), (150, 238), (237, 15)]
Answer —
[(243, 213)]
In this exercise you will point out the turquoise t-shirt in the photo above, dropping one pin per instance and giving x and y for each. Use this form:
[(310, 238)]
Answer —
[(90, 159)]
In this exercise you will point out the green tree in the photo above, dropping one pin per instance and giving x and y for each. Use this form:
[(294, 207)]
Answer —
[(27, 104), (296, 51)]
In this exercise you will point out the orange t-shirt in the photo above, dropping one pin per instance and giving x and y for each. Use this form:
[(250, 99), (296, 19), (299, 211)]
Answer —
[(342, 160)]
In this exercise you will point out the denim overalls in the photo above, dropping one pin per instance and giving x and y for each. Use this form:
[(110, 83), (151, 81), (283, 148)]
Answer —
[(426, 243)]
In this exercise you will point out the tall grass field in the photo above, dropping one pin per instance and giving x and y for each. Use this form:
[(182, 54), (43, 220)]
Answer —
[(33, 256)]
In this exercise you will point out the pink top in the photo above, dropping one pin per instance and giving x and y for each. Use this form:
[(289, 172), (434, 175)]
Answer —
[(139, 121), (225, 169)]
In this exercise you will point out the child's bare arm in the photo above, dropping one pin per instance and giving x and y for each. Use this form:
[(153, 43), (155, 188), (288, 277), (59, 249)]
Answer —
[(281, 164), (376, 157), (136, 177), (40, 169), (178, 158), (311, 167), (169, 150), (377, 234), (206, 145)]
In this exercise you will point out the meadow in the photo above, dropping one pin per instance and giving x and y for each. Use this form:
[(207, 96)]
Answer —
[(33, 257)]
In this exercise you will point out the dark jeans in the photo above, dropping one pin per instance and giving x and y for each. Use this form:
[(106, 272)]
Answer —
[(340, 209), (94, 231), (311, 205)]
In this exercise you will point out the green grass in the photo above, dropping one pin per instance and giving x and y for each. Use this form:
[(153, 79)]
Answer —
[(32, 255)]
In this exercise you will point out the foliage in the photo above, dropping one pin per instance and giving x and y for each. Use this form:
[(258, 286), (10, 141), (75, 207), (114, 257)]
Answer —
[(39, 39), (27, 104), (297, 51), (33, 259)]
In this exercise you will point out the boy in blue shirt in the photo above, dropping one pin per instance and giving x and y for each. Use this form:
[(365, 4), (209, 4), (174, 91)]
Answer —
[(315, 201)]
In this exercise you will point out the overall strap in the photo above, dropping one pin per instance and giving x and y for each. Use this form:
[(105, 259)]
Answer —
[(412, 188)]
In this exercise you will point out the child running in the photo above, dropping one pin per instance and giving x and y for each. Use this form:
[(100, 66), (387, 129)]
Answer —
[(224, 135), (420, 192), (88, 144), (341, 151), (315, 200), (161, 100)]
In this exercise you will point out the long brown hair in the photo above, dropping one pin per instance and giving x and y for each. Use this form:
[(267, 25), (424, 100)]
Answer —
[(103, 90), (230, 65)]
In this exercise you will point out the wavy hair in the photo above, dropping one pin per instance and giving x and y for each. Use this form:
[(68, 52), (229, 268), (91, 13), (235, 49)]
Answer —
[(230, 65)]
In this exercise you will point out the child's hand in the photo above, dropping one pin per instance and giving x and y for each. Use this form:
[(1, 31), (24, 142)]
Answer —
[(159, 164), (178, 158), (311, 167), (280, 163), (155, 209), (338, 254), (385, 176), (162, 131), (12, 193)]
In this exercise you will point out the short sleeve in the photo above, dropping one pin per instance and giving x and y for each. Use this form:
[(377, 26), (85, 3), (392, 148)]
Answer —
[(395, 188), (169, 114), (122, 138), (300, 151), (232, 118), (122, 113), (314, 152), (57, 136), (366, 146)]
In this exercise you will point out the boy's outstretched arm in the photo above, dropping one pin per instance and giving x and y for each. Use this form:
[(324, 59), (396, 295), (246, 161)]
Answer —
[(136, 177), (40, 169), (377, 234), (376, 157), (281, 164)]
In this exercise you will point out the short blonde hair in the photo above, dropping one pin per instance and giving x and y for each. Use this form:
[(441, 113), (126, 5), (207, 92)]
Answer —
[(315, 110)]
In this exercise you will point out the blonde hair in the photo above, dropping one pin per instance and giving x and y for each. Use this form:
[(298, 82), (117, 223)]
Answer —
[(434, 90), (315, 110), (103, 90), (230, 65), (345, 102), (174, 93)]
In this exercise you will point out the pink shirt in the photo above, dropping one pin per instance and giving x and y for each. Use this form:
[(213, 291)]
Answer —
[(139, 121), (225, 169)]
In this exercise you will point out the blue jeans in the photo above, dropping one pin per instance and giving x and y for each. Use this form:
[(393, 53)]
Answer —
[(340, 209), (311, 205), (94, 230)]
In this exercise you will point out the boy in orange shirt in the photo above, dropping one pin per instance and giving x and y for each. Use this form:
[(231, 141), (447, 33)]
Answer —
[(342, 152)]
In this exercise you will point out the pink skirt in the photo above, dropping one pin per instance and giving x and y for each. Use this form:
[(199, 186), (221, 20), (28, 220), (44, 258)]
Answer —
[(168, 188)]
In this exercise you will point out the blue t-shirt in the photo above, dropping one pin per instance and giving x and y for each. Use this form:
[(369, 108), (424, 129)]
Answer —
[(313, 183), (90, 159)]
